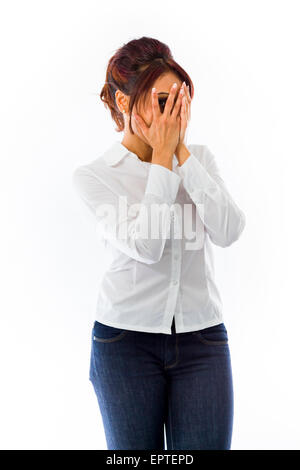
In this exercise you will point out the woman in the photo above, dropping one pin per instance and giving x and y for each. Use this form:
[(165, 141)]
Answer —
[(160, 354)]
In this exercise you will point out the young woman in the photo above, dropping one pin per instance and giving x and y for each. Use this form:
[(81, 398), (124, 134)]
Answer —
[(160, 356)]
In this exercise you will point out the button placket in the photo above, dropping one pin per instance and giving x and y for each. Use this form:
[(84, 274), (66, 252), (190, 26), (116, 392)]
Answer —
[(176, 247), (175, 274)]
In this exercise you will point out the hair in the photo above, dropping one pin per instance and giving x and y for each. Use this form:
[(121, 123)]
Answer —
[(133, 69)]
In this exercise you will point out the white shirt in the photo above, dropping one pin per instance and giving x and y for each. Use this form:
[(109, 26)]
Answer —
[(151, 280)]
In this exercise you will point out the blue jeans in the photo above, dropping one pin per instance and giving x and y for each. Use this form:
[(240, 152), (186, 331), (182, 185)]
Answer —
[(145, 381)]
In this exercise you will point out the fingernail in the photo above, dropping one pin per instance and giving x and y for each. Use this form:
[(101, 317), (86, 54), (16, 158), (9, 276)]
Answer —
[(174, 85)]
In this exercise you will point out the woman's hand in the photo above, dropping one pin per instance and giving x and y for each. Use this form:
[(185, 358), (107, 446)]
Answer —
[(182, 152), (164, 132), (185, 116)]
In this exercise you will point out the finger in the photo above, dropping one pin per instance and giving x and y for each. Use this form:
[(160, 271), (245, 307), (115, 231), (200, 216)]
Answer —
[(183, 117), (187, 113), (178, 103), (155, 105), (183, 108), (184, 112), (170, 100), (186, 107), (187, 94), (188, 103)]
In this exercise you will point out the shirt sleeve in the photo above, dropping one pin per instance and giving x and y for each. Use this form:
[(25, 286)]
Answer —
[(222, 218), (138, 230)]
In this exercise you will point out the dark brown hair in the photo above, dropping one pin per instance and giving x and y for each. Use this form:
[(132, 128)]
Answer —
[(133, 69)]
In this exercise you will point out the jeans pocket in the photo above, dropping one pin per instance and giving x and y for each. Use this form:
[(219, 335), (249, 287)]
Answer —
[(107, 334), (214, 335)]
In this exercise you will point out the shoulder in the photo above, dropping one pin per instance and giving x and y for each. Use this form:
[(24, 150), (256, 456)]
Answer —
[(90, 180), (105, 166), (95, 166), (95, 169)]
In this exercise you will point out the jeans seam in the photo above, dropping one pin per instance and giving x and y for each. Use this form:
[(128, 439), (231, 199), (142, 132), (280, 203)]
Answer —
[(110, 340), (208, 342), (170, 428)]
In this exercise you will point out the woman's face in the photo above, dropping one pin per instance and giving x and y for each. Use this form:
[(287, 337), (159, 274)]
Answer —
[(163, 85)]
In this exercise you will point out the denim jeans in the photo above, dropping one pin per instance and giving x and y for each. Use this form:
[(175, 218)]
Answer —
[(147, 381)]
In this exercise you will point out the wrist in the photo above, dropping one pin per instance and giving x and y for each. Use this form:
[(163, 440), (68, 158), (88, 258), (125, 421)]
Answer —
[(162, 157), (182, 153)]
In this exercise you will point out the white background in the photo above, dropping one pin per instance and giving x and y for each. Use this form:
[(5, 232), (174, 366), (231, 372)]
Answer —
[(243, 58)]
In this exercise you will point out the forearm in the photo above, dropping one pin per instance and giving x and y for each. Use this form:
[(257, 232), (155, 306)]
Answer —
[(221, 216)]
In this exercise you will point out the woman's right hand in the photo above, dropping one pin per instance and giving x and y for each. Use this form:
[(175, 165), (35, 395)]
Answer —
[(163, 134)]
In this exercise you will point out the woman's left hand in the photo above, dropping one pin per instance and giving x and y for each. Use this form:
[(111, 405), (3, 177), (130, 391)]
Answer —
[(185, 116)]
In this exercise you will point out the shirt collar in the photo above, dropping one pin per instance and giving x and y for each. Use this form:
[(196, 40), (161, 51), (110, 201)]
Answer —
[(118, 151)]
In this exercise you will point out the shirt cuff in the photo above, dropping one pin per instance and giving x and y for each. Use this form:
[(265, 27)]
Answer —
[(163, 183), (195, 176)]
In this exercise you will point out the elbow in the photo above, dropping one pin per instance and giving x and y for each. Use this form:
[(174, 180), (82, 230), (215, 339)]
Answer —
[(232, 234), (239, 228)]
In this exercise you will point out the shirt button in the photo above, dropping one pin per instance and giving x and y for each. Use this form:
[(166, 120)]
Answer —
[(175, 282)]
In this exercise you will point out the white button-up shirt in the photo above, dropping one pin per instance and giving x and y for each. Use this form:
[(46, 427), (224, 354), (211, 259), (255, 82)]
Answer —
[(167, 270)]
